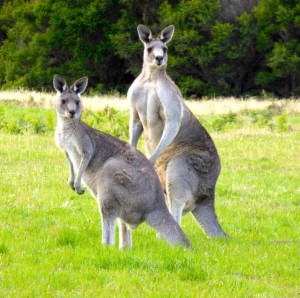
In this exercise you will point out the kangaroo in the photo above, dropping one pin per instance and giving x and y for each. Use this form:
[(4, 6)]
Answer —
[(183, 152), (121, 178)]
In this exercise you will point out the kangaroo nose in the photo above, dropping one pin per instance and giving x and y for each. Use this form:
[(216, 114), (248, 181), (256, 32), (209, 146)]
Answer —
[(159, 59), (72, 113)]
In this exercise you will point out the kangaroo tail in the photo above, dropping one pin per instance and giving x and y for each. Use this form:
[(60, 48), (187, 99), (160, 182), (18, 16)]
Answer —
[(168, 228), (205, 214)]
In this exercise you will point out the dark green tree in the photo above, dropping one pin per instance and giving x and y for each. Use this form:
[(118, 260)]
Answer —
[(125, 37), (278, 40), (217, 49), (66, 37)]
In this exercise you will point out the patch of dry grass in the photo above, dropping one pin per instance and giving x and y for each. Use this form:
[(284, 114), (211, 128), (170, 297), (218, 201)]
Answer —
[(46, 100), (215, 106)]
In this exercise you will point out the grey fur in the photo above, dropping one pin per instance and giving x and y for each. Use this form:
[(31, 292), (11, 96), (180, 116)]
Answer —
[(121, 178), (183, 152)]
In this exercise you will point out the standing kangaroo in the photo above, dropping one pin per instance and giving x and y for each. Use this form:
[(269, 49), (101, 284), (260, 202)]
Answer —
[(120, 177), (183, 152)]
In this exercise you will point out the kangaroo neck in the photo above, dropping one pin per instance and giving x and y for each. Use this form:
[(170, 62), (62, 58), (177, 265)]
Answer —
[(154, 72), (68, 124)]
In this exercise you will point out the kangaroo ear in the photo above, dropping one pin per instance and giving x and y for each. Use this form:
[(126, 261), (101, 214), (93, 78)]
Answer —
[(80, 85), (144, 33), (166, 35), (59, 83)]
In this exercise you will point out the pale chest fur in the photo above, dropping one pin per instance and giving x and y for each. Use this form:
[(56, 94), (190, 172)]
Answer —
[(145, 99), (67, 140)]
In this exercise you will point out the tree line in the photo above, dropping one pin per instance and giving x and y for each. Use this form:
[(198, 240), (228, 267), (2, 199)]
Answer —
[(220, 47)]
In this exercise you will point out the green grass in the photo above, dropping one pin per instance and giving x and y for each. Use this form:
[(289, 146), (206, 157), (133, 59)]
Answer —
[(50, 238)]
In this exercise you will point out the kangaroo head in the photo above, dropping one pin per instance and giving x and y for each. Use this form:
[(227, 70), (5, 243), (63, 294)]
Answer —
[(155, 51), (68, 103)]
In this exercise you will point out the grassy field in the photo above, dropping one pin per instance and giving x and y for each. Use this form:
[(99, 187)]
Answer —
[(50, 238)]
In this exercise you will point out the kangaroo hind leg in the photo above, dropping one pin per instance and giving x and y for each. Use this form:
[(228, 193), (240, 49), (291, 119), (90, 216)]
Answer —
[(179, 191), (108, 229), (109, 216), (125, 235)]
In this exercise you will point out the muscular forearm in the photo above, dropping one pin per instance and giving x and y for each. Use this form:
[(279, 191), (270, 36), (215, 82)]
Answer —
[(170, 131)]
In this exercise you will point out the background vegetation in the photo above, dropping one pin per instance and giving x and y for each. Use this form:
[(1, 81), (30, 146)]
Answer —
[(15, 119), (50, 237), (220, 47)]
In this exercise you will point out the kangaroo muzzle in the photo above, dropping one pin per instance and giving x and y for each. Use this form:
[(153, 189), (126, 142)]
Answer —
[(71, 110), (159, 60)]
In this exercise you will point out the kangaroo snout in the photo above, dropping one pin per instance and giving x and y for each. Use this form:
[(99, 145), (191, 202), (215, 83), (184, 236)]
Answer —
[(72, 113), (159, 59), (72, 109)]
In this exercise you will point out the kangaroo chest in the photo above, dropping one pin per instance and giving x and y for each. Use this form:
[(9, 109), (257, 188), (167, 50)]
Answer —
[(67, 141), (146, 101), (148, 105)]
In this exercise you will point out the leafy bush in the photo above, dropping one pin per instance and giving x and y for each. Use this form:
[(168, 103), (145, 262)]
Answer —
[(66, 37), (282, 123), (222, 121), (19, 120), (210, 54), (24, 123), (272, 119), (109, 120)]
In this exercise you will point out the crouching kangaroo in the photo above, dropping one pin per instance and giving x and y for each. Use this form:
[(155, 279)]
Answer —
[(119, 176), (183, 152)]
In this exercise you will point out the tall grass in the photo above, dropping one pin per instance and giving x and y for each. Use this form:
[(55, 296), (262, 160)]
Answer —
[(50, 237)]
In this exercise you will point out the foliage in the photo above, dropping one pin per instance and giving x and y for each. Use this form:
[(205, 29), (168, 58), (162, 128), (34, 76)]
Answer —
[(15, 119), (19, 120), (109, 120), (278, 22), (246, 56), (272, 119), (66, 37), (255, 51)]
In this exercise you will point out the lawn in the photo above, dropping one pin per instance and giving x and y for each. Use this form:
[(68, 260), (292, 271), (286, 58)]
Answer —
[(50, 237)]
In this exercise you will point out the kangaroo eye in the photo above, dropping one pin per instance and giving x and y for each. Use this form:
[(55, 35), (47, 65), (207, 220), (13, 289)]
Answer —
[(165, 50), (63, 101), (78, 102), (149, 50)]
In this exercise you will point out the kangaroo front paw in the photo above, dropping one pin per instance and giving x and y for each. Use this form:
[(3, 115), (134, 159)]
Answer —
[(79, 190), (71, 184)]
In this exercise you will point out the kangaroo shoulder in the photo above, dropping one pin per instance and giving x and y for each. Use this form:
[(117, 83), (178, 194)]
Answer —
[(135, 87), (171, 100), (168, 90)]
